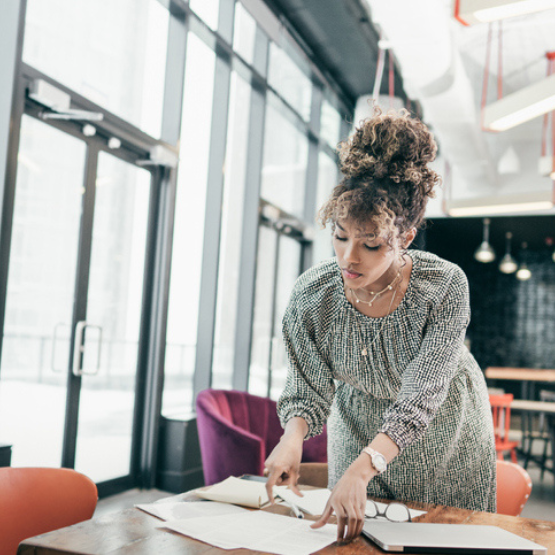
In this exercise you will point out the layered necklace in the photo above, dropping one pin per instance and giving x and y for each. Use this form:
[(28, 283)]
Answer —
[(393, 285), (376, 295)]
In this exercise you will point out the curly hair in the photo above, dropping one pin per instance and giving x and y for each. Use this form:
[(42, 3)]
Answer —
[(386, 182)]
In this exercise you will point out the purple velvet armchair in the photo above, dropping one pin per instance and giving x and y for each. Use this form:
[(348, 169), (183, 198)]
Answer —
[(237, 431)]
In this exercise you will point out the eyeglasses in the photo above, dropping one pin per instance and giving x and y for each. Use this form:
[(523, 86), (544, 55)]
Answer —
[(394, 512)]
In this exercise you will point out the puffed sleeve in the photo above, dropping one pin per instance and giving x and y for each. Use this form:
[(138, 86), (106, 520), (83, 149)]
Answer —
[(426, 380), (310, 388)]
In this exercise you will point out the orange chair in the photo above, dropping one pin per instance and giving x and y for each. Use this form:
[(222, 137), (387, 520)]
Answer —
[(513, 488), (501, 412), (38, 500)]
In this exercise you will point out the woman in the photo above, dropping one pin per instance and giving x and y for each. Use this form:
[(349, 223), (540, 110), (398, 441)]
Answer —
[(375, 344)]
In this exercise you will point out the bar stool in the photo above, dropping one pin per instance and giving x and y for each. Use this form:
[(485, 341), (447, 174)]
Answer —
[(542, 434), (501, 413)]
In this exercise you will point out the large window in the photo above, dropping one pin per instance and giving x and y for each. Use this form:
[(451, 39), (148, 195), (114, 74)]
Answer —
[(330, 124), (290, 81), (105, 234), (230, 239), (327, 180), (263, 312), (207, 10), (285, 161), (189, 227), (244, 34), (113, 53)]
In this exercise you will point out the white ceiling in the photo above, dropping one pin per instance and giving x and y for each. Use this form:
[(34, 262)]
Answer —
[(442, 64)]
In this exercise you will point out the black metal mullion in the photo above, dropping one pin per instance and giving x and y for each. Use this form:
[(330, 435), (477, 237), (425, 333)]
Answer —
[(273, 312), (160, 279), (159, 273), (80, 304), (141, 381), (12, 106)]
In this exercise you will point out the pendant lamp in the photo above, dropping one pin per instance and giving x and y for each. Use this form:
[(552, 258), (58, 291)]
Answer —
[(550, 242), (523, 273), (508, 264), (485, 253)]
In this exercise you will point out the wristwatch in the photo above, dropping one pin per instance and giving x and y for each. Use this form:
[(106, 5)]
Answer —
[(378, 460)]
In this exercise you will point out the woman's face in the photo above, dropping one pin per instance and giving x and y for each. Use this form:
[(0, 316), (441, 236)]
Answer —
[(364, 258)]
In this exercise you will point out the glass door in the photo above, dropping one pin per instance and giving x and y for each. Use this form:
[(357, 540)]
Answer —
[(41, 293), (109, 335), (74, 303)]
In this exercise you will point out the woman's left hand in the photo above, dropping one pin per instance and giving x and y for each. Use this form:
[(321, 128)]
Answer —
[(348, 500)]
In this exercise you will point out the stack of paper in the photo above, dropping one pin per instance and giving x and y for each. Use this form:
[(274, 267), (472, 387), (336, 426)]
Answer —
[(237, 491), (259, 531), (183, 509)]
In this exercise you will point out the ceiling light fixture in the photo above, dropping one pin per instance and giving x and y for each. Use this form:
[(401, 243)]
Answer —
[(523, 273), (487, 206), (549, 242), (485, 253), (469, 12), (521, 106), (509, 163), (508, 264)]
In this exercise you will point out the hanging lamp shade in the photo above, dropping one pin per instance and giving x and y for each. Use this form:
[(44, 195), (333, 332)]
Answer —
[(523, 273), (485, 253), (508, 264)]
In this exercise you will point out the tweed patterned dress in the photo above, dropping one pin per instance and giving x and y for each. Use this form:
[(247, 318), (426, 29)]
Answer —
[(419, 384)]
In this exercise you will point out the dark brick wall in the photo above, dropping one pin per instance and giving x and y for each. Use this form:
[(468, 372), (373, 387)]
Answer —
[(513, 322)]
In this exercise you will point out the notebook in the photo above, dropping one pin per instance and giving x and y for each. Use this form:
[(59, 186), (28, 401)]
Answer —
[(415, 537)]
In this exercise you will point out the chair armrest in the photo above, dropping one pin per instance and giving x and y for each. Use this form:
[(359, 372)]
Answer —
[(227, 450)]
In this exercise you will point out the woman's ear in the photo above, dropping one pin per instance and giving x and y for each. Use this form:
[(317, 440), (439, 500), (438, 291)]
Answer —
[(409, 237)]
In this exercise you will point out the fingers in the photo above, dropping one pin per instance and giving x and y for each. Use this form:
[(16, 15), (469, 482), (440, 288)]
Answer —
[(293, 485), (360, 526), (324, 518), (274, 478), (341, 528), (278, 476), (350, 522)]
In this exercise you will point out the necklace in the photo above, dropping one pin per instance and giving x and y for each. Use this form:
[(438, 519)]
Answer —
[(377, 295), (364, 348)]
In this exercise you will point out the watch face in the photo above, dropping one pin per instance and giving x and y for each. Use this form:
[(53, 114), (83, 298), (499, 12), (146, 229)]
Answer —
[(379, 462)]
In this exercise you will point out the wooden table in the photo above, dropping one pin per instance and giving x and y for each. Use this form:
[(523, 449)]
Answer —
[(134, 532), (528, 376)]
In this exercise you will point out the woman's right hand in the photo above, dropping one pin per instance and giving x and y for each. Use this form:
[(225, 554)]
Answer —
[(283, 465)]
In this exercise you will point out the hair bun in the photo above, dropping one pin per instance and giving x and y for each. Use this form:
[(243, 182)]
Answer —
[(391, 145)]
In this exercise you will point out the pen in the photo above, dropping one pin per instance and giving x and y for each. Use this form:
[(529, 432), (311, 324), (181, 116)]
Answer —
[(295, 510)]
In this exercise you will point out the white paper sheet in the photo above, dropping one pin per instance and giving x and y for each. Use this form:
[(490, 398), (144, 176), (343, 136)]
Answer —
[(259, 531), (240, 492), (314, 501), (183, 509)]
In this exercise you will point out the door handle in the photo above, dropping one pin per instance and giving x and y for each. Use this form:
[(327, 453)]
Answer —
[(79, 349)]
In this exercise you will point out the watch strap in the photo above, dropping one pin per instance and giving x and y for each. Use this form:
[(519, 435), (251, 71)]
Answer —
[(376, 458)]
